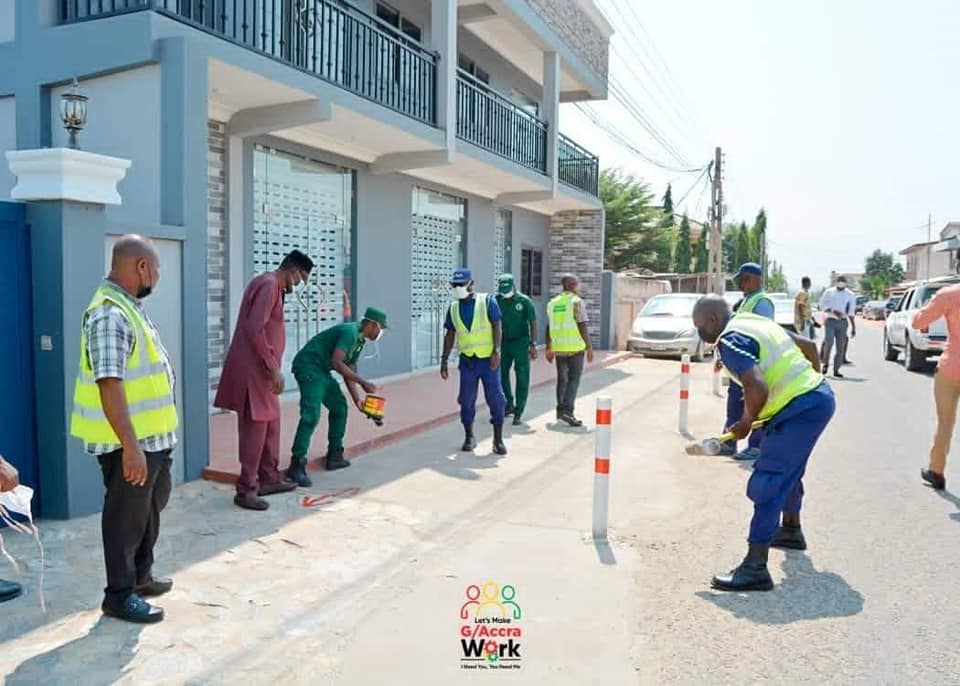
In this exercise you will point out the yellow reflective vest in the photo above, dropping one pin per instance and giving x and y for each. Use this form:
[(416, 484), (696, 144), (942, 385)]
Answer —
[(477, 341), (150, 398), (564, 331), (786, 371)]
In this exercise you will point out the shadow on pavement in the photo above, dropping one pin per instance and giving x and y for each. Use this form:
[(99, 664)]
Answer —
[(954, 500), (804, 594), (201, 522), (105, 650)]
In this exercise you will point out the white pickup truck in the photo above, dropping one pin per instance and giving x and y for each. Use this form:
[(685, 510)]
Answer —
[(899, 334)]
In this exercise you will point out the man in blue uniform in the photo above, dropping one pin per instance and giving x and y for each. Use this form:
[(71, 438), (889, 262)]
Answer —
[(749, 280), (783, 387), (474, 322)]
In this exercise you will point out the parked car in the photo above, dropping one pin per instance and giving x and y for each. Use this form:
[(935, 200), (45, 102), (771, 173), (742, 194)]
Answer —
[(861, 301), (665, 327), (875, 309), (783, 309), (733, 297), (899, 334), (892, 304)]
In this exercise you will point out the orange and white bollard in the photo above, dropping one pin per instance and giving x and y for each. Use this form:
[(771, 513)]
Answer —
[(684, 427), (601, 467), (716, 380)]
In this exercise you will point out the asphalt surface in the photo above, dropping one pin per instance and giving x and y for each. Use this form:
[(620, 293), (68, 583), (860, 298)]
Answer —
[(367, 587)]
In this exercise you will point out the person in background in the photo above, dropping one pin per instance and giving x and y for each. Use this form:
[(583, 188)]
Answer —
[(336, 349), (946, 384), (749, 279), (252, 380), (124, 411), (568, 342), (519, 343), (474, 323), (802, 313), (9, 480), (839, 306)]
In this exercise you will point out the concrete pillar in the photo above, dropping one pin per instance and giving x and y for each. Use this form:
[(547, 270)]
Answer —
[(576, 247), (66, 192), (443, 25), (550, 111)]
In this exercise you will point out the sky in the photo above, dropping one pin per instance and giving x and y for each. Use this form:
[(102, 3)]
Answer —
[(836, 116)]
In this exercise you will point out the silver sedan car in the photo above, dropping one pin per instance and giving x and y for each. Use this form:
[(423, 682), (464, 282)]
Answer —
[(665, 327)]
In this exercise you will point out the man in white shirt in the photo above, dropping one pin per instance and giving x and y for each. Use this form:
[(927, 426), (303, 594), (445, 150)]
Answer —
[(839, 306)]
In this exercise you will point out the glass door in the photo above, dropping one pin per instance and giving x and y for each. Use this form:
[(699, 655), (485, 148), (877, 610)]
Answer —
[(307, 205)]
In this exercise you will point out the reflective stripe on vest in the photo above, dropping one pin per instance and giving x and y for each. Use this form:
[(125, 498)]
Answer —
[(786, 370), (477, 341), (564, 331), (149, 395)]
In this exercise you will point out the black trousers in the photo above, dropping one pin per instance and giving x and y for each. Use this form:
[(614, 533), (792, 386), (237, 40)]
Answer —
[(569, 371), (131, 521)]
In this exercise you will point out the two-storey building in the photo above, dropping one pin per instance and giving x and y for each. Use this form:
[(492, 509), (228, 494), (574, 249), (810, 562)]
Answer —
[(391, 141)]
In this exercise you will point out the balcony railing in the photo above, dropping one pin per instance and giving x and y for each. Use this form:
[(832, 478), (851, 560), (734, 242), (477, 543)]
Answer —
[(577, 167), (329, 39), (490, 121)]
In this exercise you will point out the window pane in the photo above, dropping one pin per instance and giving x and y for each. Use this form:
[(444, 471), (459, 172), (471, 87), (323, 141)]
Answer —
[(388, 14)]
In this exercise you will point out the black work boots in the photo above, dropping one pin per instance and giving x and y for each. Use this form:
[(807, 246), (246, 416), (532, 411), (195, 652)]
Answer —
[(470, 440), (335, 460), (789, 535), (298, 472), (751, 575)]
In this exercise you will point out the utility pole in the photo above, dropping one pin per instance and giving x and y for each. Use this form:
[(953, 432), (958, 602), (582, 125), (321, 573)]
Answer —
[(929, 221), (715, 267)]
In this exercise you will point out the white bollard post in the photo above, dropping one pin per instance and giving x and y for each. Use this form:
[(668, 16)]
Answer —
[(601, 468), (684, 394)]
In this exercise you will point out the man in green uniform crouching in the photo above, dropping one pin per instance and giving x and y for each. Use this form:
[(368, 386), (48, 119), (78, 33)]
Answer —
[(334, 350), (519, 343)]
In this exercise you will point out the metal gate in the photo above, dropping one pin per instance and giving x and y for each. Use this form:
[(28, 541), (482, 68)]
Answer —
[(307, 205), (438, 227), (17, 426)]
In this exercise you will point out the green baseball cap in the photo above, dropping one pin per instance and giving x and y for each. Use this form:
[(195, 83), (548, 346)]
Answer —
[(505, 283), (375, 314)]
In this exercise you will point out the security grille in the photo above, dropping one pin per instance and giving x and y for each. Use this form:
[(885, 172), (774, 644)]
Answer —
[(306, 205), (437, 227)]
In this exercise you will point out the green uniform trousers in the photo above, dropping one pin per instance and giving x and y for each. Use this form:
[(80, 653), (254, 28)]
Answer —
[(516, 352), (318, 388)]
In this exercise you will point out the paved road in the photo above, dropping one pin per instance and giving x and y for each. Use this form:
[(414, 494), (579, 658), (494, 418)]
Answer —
[(367, 587)]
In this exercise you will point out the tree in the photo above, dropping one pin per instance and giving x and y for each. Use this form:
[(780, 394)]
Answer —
[(777, 281), (875, 286), (743, 246), (682, 252), (728, 248), (668, 202), (883, 264), (634, 236), (700, 263), (758, 238)]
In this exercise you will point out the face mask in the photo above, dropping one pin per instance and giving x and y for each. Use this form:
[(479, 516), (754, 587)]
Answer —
[(143, 291), (841, 286), (461, 292), (379, 334), (510, 293)]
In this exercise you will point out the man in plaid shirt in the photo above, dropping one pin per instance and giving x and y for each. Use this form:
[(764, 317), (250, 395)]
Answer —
[(135, 466)]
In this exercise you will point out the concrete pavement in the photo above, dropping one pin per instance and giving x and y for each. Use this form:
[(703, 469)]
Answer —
[(367, 586)]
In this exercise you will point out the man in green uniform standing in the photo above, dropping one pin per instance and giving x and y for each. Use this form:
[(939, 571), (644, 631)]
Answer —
[(334, 350), (519, 343)]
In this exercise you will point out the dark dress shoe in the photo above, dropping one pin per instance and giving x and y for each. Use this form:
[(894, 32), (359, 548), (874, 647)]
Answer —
[(789, 537), (517, 421), (134, 609), (335, 460), (935, 480), (298, 473), (510, 409), (571, 420), (250, 501), (749, 576), (282, 486), (154, 587), (9, 590), (469, 444), (837, 375)]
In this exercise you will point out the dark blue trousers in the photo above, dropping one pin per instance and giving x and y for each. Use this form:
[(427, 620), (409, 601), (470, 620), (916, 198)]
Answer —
[(735, 411), (776, 484), (473, 372)]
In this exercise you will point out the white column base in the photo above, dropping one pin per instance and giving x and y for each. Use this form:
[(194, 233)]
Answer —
[(66, 174)]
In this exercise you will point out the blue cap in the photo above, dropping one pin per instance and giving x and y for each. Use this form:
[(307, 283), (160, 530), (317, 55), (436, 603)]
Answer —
[(462, 277), (750, 268)]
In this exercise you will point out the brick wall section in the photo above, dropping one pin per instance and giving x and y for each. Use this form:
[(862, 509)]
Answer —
[(216, 251), (577, 30), (576, 246)]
